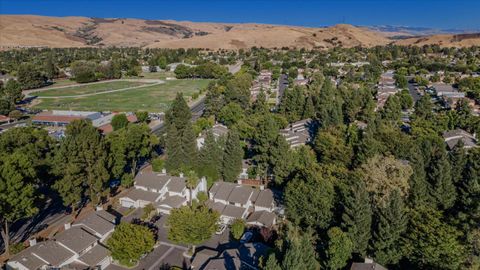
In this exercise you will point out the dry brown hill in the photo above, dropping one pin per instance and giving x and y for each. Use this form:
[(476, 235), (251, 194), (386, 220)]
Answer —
[(460, 40), (33, 31)]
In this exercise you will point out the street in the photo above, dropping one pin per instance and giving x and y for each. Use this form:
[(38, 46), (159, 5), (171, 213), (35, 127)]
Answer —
[(411, 88)]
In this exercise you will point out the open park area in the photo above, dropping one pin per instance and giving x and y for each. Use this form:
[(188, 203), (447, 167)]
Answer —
[(118, 95)]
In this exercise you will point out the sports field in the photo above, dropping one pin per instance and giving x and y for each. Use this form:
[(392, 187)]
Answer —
[(155, 98), (86, 89)]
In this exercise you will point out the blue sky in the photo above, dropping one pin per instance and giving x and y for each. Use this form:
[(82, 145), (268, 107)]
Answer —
[(445, 14)]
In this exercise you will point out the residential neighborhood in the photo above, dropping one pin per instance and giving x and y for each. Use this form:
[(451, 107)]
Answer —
[(239, 136)]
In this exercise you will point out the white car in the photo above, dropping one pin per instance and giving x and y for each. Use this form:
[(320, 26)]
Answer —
[(221, 229)]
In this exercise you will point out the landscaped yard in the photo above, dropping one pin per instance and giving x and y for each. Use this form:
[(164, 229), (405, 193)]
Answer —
[(154, 98), (87, 88)]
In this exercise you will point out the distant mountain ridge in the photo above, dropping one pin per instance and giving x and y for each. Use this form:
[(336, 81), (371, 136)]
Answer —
[(43, 31), (419, 31)]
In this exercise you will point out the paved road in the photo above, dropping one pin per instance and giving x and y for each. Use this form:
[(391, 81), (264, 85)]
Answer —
[(411, 88), (196, 109), (282, 85), (30, 93), (25, 228)]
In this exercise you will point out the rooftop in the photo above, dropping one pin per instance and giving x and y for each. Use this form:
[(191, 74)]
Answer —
[(136, 194), (100, 222), (76, 239), (151, 180)]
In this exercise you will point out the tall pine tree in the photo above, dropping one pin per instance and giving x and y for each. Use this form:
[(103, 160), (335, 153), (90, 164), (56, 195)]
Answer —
[(180, 142), (357, 216), (232, 159), (391, 222)]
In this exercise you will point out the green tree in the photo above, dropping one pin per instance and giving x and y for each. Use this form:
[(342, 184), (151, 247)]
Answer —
[(339, 249), (331, 147), (51, 71), (384, 175), (191, 183), (430, 243), (30, 77), (237, 228), (142, 116), (129, 242), (84, 71), (231, 114), (439, 176), (272, 263), (17, 193), (357, 216), (12, 91), (180, 142), (128, 146), (392, 109), (211, 157), (119, 121), (192, 226), (309, 201), (299, 253), (391, 222), (232, 157), (81, 164)]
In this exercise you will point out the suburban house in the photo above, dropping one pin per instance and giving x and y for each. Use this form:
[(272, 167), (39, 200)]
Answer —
[(247, 256), (104, 123), (235, 201), (218, 130), (79, 246), (385, 88), (163, 191), (62, 118), (262, 82), (453, 137), (369, 264), (4, 119), (449, 94), (299, 133)]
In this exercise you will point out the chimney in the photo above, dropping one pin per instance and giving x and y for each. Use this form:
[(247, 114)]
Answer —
[(67, 226), (181, 174), (164, 171), (99, 208), (368, 260), (32, 241)]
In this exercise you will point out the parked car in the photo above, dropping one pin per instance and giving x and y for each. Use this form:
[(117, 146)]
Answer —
[(246, 237), (221, 229)]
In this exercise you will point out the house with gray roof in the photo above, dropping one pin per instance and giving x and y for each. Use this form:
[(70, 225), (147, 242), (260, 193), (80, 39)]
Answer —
[(218, 130), (454, 137), (299, 133), (79, 246), (162, 190), (369, 264), (101, 225), (235, 201), (246, 257)]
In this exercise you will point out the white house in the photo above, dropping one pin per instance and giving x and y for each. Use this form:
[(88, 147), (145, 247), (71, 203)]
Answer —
[(164, 191), (234, 201), (79, 246)]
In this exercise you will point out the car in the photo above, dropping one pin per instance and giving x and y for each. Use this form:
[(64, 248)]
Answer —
[(221, 229), (246, 237)]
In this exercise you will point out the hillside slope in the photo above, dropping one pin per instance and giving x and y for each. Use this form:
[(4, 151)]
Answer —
[(41, 31), (458, 40)]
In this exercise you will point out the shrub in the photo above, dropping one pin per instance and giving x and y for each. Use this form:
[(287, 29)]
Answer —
[(237, 228), (158, 164)]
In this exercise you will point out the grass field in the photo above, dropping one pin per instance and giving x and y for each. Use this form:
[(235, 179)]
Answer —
[(155, 98), (87, 89)]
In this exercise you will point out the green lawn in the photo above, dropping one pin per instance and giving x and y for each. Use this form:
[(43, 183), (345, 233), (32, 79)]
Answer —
[(162, 75), (87, 89), (153, 98)]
